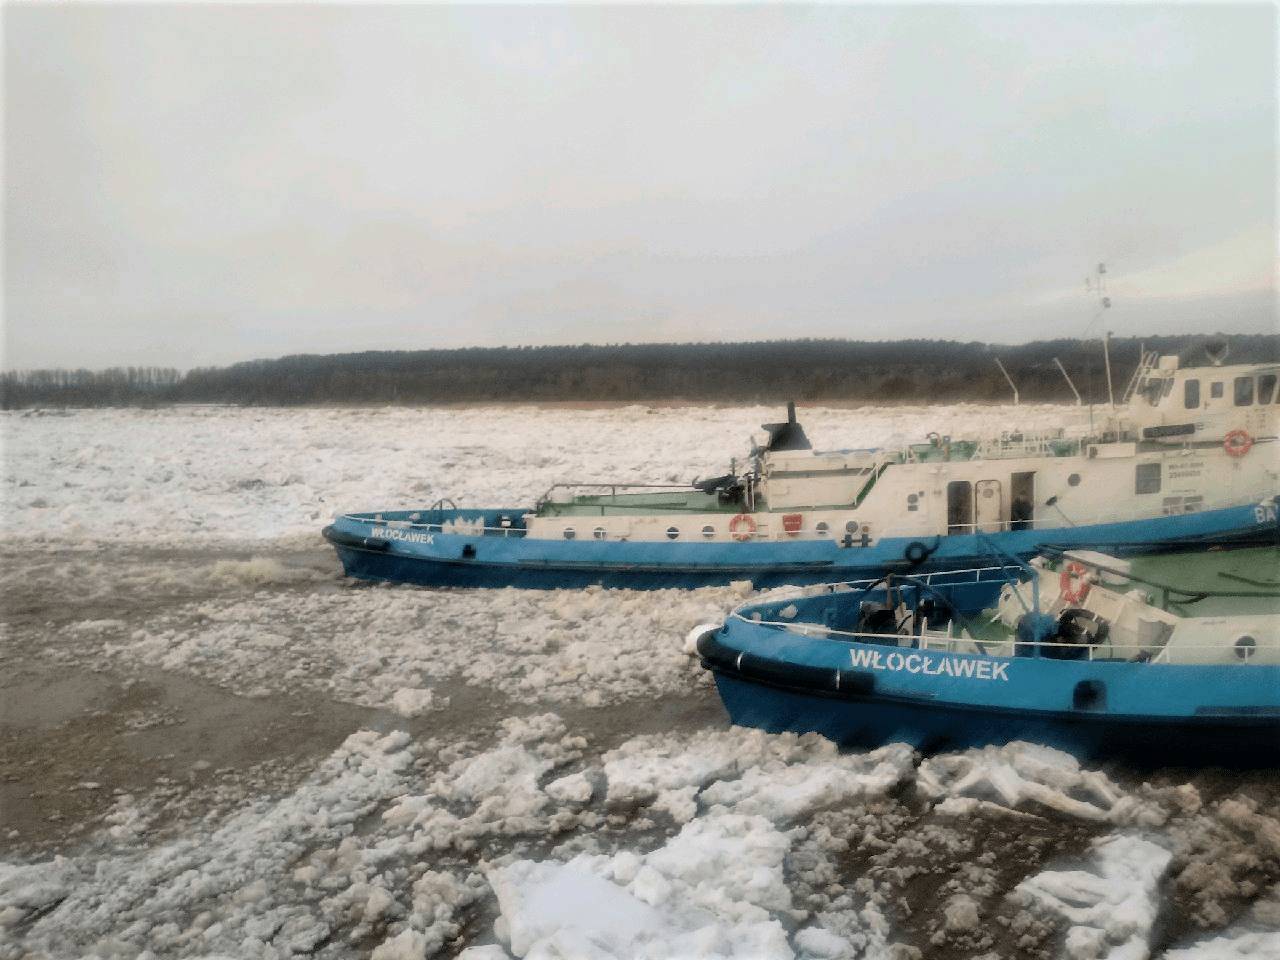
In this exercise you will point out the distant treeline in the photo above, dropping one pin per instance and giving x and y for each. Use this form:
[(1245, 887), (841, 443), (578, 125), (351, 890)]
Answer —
[(917, 371)]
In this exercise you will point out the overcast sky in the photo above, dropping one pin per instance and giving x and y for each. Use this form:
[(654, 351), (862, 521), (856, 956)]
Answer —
[(194, 185)]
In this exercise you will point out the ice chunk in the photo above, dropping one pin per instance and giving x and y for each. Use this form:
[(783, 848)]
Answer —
[(412, 702), (541, 901), (1111, 903)]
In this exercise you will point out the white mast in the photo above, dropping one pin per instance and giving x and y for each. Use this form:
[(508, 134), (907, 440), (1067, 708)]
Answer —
[(1104, 303)]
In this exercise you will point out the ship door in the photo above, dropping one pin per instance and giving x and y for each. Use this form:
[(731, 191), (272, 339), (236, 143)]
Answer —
[(1022, 500), (988, 506), (959, 507)]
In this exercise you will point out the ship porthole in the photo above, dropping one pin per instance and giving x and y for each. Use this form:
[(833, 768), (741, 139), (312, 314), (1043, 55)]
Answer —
[(600, 533), (1073, 480), (673, 533), (1246, 647), (709, 531), (569, 533), (851, 526), (821, 528)]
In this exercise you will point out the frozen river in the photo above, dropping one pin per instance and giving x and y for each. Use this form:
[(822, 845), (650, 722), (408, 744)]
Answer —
[(212, 745)]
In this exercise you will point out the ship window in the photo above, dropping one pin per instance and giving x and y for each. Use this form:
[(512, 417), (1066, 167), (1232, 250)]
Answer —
[(1244, 391), (569, 533), (600, 533), (1147, 478), (821, 528), (673, 533), (1192, 398), (1266, 386), (709, 531), (913, 502), (851, 526), (1215, 390)]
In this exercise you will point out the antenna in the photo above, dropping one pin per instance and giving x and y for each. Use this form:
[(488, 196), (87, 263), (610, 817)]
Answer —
[(1106, 359), (1104, 304), (1102, 286)]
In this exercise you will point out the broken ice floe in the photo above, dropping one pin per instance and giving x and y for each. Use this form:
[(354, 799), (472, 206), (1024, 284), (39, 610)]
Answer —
[(1017, 773), (1110, 902)]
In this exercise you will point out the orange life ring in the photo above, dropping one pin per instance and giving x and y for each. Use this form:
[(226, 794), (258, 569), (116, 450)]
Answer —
[(1237, 443), (742, 520), (1072, 582)]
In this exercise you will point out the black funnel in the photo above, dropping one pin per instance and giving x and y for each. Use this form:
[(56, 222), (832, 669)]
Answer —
[(789, 435)]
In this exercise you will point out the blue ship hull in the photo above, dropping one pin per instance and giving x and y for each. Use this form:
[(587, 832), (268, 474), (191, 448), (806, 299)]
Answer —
[(861, 692), (1220, 734), (395, 549)]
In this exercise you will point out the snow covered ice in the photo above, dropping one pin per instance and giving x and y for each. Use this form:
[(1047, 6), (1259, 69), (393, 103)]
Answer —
[(215, 746)]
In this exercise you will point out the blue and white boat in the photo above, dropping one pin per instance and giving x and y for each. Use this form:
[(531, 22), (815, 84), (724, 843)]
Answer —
[(1188, 458), (1083, 655)]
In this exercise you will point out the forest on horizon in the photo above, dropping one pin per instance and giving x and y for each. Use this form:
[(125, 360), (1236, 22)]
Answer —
[(915, 371)]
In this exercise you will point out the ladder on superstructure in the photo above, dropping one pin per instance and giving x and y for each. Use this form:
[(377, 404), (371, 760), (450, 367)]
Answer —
[(1148, 363)]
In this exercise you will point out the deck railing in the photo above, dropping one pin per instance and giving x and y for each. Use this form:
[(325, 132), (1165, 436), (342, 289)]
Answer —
[(1010, 647), (451, 525), (613, 489), (770, 525), (1027, 445)]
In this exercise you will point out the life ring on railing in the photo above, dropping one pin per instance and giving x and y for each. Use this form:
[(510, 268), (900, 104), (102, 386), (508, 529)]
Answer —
[(742, 527), (1072, 582), (1237, 443)]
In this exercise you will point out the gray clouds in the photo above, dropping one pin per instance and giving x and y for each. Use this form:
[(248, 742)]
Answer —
[(199, 184)]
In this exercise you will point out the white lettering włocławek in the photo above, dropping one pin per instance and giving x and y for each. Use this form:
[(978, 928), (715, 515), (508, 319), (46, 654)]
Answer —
[(930, 665), (409, 536)]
